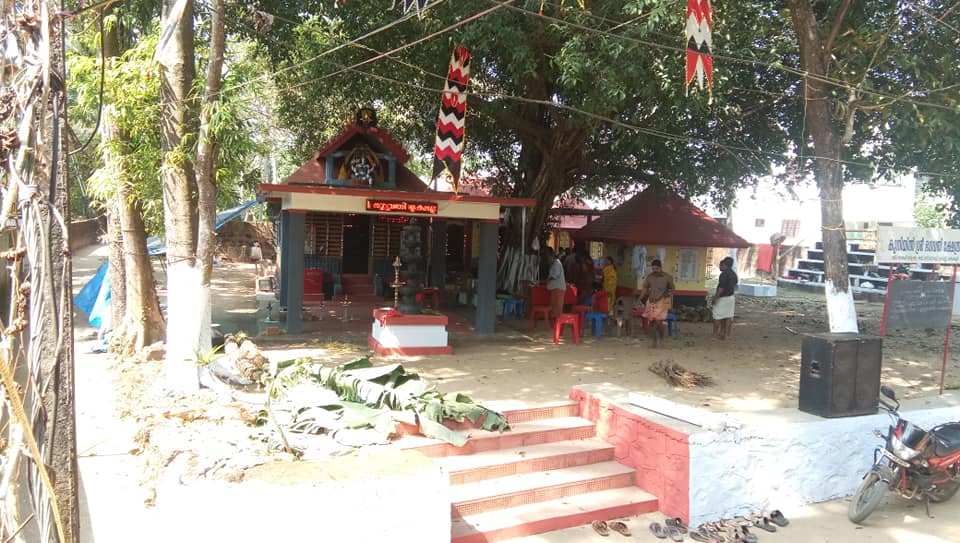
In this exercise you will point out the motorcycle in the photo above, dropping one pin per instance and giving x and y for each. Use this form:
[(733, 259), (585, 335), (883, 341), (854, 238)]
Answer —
[(913, 462)]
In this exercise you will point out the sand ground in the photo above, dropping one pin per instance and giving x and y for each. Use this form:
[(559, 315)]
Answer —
[(756, 369)]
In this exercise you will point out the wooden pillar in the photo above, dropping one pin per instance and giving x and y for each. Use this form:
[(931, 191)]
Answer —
[(438, 254), (487, 279), (294, 250)]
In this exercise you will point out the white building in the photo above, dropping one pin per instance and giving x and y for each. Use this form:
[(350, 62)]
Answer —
[(795, 211)]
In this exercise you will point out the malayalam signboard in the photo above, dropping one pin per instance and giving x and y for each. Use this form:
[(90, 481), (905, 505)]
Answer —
[(402, 206), (922, 245)]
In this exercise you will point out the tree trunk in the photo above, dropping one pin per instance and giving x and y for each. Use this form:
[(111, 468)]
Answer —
[(549, 160), (117, 277), (179, 122), (138, 321), (143, 323), (206, 165), (827, 144)]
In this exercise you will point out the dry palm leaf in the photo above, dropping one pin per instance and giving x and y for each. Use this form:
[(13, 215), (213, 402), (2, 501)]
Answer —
[(677, 375)]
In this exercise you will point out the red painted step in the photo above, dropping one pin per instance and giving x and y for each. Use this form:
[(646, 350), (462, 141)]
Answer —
[(504, 492), (508, 462), (520, 435), (538, 518)]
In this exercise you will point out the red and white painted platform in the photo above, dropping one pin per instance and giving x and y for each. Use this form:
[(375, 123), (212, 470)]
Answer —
[(408, 335)]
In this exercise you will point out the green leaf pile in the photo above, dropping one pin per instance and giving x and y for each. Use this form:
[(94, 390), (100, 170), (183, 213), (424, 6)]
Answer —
[(312, 398)]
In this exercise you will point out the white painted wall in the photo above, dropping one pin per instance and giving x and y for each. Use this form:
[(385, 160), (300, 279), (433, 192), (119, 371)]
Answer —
[(394, 336), (773, 203), (353, 498), (787, 458)]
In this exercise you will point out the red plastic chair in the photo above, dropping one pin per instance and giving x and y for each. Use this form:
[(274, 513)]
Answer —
[(600, 303), (567, 318), (581, 310), (570, 296), (541, 310)]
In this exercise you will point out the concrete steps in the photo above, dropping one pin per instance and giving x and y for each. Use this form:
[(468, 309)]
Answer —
[(553, 515), (547, 473), (358, 288)]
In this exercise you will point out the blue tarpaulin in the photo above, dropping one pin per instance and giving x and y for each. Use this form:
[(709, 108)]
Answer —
[(94, 298), (156, 246)]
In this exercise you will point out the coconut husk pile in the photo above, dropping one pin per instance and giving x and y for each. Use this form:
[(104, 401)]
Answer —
[(686, 313), (677, 375)]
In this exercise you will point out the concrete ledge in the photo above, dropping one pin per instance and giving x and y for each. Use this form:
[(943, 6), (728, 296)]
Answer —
[(759, 291), (380, 494), (382, 350), (720, 465)]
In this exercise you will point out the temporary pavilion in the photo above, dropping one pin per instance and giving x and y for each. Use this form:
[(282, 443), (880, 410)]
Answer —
[(661, 225)]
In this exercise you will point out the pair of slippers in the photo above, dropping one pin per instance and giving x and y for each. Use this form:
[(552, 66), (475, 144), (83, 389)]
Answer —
[(603, 528), (675, 528)]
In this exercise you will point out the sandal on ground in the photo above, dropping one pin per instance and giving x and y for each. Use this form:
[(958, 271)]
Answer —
[(658, 530), (674, 533), (748, 536), (697, 535), (600, 527), (620, 528), (676, 522), (777, 518), (764, 524)]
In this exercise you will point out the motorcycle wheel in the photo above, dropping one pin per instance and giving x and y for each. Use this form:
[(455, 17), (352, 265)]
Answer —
[(944, 492), (868, 496)]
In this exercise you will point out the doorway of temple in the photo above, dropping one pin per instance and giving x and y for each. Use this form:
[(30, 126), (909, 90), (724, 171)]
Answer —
[(356, 244)]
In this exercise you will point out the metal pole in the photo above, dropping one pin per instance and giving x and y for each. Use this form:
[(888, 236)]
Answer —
[(946, 341), (886, 302)]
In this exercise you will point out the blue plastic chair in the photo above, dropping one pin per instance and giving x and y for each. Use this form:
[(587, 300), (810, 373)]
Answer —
[(513, 306), (597, 321)]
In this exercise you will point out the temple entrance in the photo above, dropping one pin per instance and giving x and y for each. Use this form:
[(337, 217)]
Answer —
[(455, 245), (356, 244)]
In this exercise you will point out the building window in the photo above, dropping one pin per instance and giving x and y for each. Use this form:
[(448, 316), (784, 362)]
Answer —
[(688, 265), (790, 228), (759, 223)]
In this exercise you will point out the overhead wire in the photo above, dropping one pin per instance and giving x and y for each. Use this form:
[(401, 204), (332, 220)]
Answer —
[(729, 148)]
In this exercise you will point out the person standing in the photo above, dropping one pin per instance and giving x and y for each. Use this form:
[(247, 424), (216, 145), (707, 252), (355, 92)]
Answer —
[(256, 256), (657, 289), (556, 284), (584, 277), (610, 281), (723, 300)]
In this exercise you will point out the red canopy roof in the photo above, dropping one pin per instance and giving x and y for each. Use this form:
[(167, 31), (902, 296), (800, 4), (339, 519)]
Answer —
[(666, 219)]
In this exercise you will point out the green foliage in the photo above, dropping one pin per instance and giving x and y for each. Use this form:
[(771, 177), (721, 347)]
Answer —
[(313, 398), (929, 215)]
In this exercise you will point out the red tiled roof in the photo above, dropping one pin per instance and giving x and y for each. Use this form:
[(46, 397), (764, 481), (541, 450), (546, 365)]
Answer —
[(313, 171), (372, 134), (665, 220)]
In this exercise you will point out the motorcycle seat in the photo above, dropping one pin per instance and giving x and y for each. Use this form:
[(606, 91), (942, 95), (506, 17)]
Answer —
[(946, 438)]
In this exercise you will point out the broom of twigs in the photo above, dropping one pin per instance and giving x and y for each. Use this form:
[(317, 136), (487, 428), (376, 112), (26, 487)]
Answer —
[(677, 375)]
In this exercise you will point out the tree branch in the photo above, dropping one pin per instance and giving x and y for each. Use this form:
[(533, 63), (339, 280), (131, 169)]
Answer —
[(835, 30)]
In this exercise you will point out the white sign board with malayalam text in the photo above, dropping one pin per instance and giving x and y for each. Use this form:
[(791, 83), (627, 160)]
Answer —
[(921, 245)]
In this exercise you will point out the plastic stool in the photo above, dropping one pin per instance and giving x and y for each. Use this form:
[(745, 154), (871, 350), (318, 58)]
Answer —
[(597, 320), (673, 325), (541, 310), (581, 310), (567, 318), (513, 306)]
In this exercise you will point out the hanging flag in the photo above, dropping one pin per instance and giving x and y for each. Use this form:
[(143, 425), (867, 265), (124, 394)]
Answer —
[(453, 109), (699, 43)]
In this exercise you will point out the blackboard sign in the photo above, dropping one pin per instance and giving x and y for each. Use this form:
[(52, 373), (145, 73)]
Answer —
[(919, 304)]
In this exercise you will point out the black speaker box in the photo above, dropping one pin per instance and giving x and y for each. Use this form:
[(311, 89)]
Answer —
[(840, 374)]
